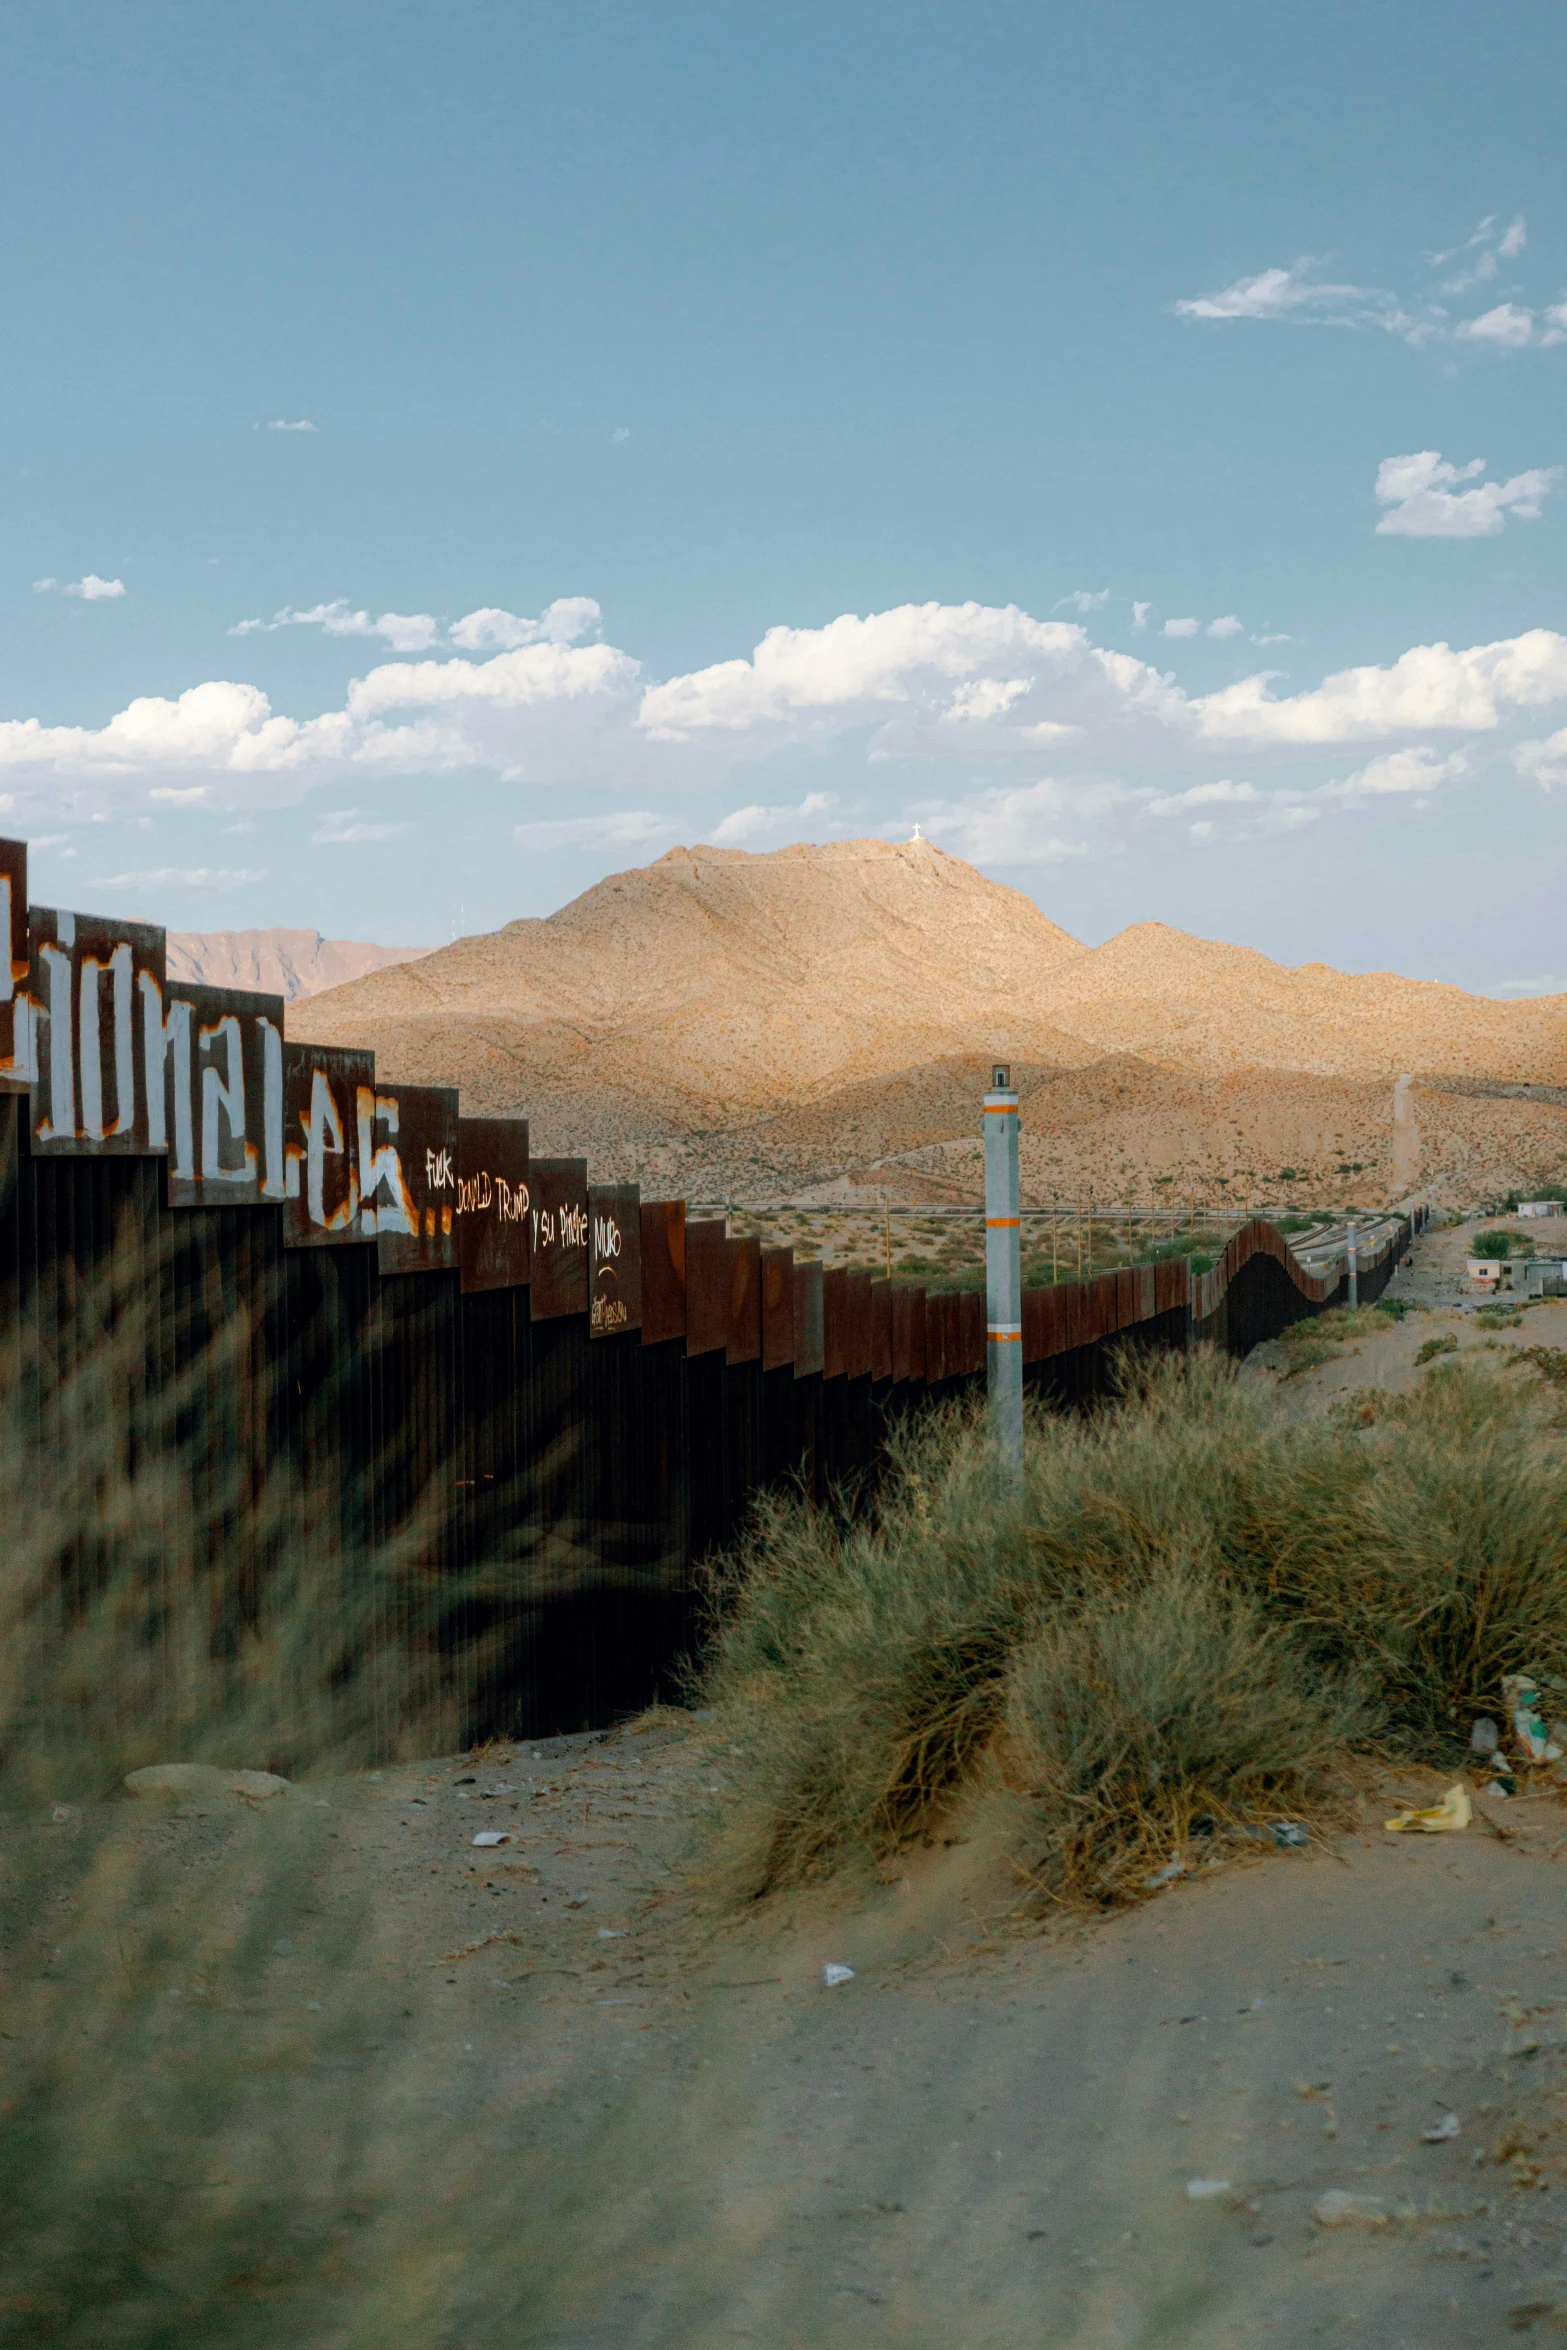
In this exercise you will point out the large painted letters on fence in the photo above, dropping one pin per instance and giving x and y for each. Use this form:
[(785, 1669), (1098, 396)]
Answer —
[(97, 988), (327, 1090), (493, 1202), (558, 1231), (414, 1196), (614, 1258), (15, 1032), (219, 1112)]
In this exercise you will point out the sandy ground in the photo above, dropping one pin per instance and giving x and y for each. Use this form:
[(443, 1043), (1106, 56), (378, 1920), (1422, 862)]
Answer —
[(603, 2122), (578, 2107), (1448, 1306)]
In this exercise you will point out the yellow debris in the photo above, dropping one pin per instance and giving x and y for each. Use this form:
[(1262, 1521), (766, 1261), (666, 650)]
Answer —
[(1454, 1811)]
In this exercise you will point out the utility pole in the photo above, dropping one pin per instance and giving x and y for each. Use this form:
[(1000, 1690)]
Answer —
[(1003, 1278)]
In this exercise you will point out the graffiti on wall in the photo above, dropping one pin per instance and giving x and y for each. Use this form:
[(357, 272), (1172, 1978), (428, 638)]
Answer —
[(614, 1258), (324, 1147), (494, 1203), (410, 1183), (558, 1237), (219, 1111), (118, 1060), (95, 986)]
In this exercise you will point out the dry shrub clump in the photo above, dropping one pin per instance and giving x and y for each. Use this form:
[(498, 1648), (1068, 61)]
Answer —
[(1195, 1607)]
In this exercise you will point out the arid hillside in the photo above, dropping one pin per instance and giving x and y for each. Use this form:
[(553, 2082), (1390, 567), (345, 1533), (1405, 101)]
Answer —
[(740, 1023), (289, 963)]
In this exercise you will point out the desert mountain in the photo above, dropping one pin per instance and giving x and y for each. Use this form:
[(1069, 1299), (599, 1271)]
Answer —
[(717, 984), (759, 1020), (289, 963)]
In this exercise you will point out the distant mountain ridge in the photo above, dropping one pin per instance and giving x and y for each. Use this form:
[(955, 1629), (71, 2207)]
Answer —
[(723, 1020), (289, 963), (722, 985)]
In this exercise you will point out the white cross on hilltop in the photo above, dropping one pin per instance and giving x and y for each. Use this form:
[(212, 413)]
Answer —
[(918, 835)]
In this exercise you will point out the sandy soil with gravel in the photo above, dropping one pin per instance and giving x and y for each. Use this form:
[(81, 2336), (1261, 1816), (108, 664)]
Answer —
[(606, 2119)]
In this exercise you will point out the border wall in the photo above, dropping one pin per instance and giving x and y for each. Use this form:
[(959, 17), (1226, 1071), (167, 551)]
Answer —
[(291, 1306)]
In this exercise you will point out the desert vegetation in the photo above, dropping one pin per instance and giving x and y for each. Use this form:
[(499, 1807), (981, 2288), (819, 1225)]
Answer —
[(1195, 1620)]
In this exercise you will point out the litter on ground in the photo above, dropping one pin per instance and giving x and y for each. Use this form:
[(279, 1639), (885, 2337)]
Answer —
[(1454, 1811)]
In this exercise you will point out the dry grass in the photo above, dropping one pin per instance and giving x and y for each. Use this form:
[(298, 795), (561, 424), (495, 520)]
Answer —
[(193, 2153), (1195, 1608)]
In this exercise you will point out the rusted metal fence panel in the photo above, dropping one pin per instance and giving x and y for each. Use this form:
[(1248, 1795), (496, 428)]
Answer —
[(409, 1184), (881, 1330), (743, 1327), (777, 1278), (809, 1335), (707, 1287), (15, 970), (558, 1237), (218, 1111), (614, 1258), (663, 1270), (493, 1203)]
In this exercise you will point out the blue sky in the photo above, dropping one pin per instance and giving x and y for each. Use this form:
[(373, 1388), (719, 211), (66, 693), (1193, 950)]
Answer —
[(418, 418)]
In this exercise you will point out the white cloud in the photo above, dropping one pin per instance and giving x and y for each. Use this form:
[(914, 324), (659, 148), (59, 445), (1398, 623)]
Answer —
[(1181, 627), (636, 828), (1206, 795), (1140, 614), (1424, 502), (282, 424), (1083, 600), (1482, 252), (1429, 687), (405, 632), (1228, 625), (1507, 326), (969, 685), (1272, 293), (1004, 827), (179, 877), (986, 697), (1544, 762), (759, 823), (492, 629), (340, 831), (908, 672), (1296, 295), (1399, 773), (91, 589), (622, 432), (180, 796)]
